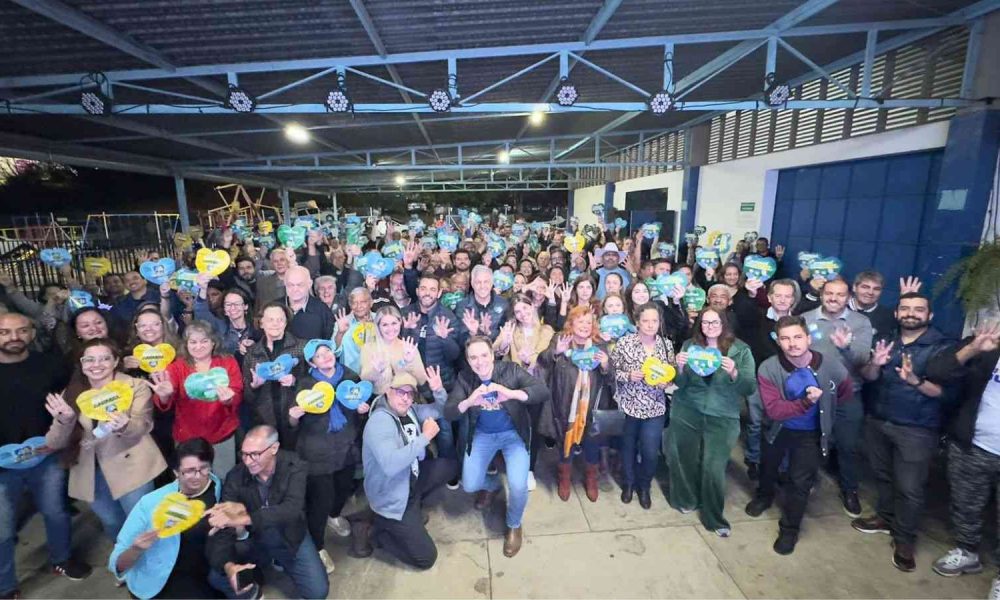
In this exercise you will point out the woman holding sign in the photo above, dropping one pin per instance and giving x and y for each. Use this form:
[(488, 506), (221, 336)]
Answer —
[(327, 424), (270, 368), (102, 422), (579, 376), (643, 402), (204, 388), (716, 371), (388, 354)]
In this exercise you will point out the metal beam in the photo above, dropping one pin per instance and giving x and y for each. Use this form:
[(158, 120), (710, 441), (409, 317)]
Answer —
[(777, 28), (972, 58)]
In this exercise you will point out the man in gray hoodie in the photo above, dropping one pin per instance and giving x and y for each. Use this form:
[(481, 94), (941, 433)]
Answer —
[(398, 474)]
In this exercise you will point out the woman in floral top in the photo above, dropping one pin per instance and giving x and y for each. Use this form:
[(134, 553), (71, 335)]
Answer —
[(645, 406)]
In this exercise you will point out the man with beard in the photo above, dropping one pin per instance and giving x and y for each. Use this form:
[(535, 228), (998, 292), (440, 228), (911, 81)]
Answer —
[(138, 294), (435, 329), (26, 378), (462, 260), (844, 335), (397, 291), (903, 430), (242, 276)]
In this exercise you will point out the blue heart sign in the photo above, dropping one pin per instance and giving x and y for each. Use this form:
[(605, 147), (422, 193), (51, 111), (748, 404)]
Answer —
[(806, 258), (651, 230), (25, 455), (826, 267), (352, 394), (615, 326), (707, 258), (378, 267), (518, 229), (704, 361), (158, 272), (56, 258), (666, 249), (496, 246), (428, 243), (502, 280), (393, 250), (759, 267), (448, 241), (585, 359), (277, 368), (620, 223)]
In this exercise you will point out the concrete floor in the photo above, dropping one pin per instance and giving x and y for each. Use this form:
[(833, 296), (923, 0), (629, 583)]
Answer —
[(605, 549)]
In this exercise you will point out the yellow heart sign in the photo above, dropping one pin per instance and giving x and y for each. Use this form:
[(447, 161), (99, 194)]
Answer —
[(153, 359), (265, 227), (183, 241), (317, 400), (176, 513), (211, 262), (362, 333), (97, 266), (657, 372), (100, 404), (574, 243)]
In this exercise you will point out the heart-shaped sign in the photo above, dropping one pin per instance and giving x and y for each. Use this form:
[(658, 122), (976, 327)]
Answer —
[(597, 209), (100, 404), (707, 258), (265, 227), (806, 258), (317, 400), (620, 223), (750, 237), (55, 257), (98, 266), (277, 368), (616, 326), (183, 241), (448, 240), (451, 299), (153, 359), (722, 242), (79, 299), (694, 298), (378, 267), (826, 267), (201, 386), (352, 394), (668, 282), (25, 455), (657, 372), (362, 333), (700, 229), (585, 359), (759, 267), (184, 279), (704, 361), (502, 280), (428, 243), (175, 514), (416, 226), (158, 272), (574, 243), (496, 246), (308, 223), (213, 262), (474, 218), (353, 235), (393, 250), (651, 230), (518, 230), (265, 241), (292, 237), (666, 249)]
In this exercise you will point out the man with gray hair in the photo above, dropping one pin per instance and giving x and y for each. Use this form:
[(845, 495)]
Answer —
[(325, 289), (263, 503), (310, 318), (482, 312), (354, 328)]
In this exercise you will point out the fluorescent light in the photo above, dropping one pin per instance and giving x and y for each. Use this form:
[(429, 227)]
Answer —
[(297, 133), (400, 180), (537, 117), (503, 156)]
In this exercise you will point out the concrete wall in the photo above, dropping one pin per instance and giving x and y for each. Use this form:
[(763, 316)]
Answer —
[(586, 197), (726, 190), (583, 200)]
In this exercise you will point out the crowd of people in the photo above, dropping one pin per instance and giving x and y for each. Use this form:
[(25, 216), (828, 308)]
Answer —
[(303, 375)]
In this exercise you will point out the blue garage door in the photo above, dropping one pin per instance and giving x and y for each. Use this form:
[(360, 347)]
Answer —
[(870, 213)]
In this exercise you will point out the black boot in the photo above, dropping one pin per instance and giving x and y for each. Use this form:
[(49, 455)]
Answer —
[(626, 494), (644, 500)]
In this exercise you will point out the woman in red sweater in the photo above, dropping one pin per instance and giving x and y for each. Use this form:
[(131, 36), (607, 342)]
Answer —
[(214, 417)]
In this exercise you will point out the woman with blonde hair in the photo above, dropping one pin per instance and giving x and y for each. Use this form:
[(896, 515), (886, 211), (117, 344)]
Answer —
[(387, 355)]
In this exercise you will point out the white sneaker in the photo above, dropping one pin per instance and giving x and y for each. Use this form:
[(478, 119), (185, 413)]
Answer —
[(327, 561), (995, 589), (957, 562), (531, 481), (723, 532), (339, 525)]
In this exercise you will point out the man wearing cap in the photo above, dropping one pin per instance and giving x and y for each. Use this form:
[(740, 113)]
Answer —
[(611, 260), (398, 473), (490, 397)]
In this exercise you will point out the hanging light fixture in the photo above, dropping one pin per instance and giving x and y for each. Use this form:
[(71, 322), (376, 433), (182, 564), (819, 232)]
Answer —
[(337, 100), (95, 101), (440, 100), (240, 100), (661, 102), (775, 95), (566, 93)]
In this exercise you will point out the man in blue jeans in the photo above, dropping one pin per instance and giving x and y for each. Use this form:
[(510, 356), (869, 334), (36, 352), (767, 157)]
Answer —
[(491, 398), (263, 503), (25, 379)]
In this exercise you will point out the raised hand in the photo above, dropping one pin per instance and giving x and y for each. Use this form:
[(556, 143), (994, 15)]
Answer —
[(753, 286), (160, 384), (602, 358), (442, 327), (296, 412), (779, 251), (507, 334), (410, 254), (57, 407), (905, 370), (409, 349), (563, 343), (987, 337), (119, 420), (343, 321), (550, 292), (909, 285), (486, 323), (842, 337), (882, 353), (411, 320), (470, 321), (434, 378), (566, 291)]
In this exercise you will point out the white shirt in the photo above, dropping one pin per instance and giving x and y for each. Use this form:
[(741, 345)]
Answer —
[(987, 434)]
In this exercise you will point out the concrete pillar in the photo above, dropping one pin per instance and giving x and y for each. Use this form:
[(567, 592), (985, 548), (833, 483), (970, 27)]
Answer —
[(696, 155), (182, 205)]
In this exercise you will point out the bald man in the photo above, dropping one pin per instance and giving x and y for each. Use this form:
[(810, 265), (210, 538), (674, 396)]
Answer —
[(311, 318), (26, 378), (263, 502)]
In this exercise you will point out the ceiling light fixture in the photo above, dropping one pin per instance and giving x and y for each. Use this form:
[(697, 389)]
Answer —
[(775, 95), (662, 102), (95, 101), (566, 94), (240, 100), (297, 133)]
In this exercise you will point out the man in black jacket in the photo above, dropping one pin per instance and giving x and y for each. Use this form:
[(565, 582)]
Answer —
[(491, 397), (263, 502), (974, 444)]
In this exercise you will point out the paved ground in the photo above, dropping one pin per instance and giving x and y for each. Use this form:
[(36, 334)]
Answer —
[(579, 549)]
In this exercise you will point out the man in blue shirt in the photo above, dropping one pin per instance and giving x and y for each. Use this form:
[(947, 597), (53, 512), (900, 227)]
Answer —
[(611, 260)]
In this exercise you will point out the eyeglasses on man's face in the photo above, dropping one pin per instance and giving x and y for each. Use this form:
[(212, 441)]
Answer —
[(255, 456)]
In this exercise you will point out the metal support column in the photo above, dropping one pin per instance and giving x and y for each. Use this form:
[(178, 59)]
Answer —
[(182, 204), (286, 209)]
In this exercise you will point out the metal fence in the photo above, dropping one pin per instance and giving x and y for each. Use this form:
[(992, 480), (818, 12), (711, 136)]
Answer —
[(118, 237)]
